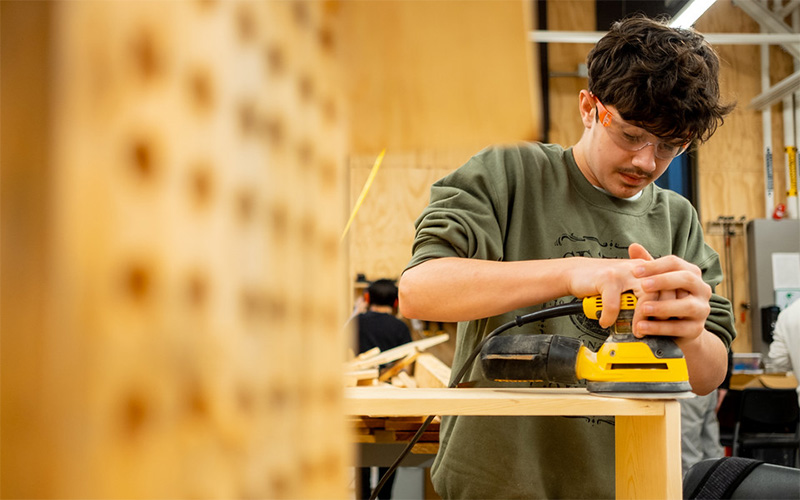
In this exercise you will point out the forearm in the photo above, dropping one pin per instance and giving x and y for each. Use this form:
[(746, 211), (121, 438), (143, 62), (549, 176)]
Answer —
[(707, 360), (459, 289)]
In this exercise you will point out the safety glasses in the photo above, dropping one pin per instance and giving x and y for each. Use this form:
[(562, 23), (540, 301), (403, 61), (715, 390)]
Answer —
[(631, 138)]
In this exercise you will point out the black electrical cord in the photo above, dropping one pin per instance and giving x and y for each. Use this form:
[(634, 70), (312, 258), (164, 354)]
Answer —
[(541, 315)]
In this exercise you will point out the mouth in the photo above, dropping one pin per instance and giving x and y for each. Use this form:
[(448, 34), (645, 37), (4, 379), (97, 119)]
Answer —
[(633, 178)]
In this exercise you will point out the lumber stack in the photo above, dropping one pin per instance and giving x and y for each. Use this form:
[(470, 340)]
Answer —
[(397, 430), (411, 368), (395, 366)]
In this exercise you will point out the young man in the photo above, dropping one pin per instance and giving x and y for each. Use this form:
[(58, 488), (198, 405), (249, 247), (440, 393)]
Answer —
[(521, 227)]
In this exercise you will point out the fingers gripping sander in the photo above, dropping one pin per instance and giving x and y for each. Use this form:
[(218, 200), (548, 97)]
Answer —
[(623, 366)]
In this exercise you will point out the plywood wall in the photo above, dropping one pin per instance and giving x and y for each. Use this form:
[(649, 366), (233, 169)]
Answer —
[(432, 83), (173, 294)]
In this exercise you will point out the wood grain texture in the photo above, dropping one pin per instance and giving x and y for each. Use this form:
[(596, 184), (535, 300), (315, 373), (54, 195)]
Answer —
[(389, 401), (656, 473), (439, 75)]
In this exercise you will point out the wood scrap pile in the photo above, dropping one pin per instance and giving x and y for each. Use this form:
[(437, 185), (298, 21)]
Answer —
[(412, 368), (393, 366), (397, 430)]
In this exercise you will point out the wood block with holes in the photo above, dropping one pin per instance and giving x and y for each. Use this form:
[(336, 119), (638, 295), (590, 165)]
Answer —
[(181, 191)]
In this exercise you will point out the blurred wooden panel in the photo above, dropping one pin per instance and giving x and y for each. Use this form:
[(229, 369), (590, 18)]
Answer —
[(438, 74), (24, 216), (188, 299)]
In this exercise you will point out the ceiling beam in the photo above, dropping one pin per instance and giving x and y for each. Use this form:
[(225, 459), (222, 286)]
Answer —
[(550, 36), (770, 22)]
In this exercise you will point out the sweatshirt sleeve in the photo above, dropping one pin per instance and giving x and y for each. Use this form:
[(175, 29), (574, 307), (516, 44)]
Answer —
[(462, 218)]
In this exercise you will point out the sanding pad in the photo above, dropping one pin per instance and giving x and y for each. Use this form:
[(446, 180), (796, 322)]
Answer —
[(644, 395)]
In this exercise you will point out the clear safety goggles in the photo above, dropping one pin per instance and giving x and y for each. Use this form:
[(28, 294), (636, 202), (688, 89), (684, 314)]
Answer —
[(631, 138)]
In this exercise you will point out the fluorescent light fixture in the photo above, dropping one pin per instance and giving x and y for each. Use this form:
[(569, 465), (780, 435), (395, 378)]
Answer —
[(690, 13)]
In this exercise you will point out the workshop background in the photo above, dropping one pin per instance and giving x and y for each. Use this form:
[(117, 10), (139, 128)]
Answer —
[(176, 180)]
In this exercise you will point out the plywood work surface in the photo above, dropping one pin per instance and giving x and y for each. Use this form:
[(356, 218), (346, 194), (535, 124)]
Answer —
[(383, 401)]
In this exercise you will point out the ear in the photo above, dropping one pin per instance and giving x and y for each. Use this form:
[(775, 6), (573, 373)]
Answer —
[(366, 297), (396, 303), (587, 108)]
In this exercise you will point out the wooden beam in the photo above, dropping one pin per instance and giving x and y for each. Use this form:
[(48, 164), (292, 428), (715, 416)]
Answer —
[(396, 353), (430, 371)]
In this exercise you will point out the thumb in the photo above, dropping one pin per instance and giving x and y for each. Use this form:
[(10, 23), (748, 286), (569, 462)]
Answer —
[(637, 251)]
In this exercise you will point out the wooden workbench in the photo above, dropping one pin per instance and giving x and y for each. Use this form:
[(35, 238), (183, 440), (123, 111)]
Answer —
[(648, 432)]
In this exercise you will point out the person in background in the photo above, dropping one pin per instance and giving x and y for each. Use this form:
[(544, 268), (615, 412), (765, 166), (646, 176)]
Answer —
[(525, 226), (379, 327), (700, 429), (784, 352)]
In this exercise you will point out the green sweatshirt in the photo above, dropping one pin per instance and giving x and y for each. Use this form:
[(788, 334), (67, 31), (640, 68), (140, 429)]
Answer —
[(530, 201)]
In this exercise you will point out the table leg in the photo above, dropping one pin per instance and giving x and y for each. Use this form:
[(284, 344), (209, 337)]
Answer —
[(648, 455)]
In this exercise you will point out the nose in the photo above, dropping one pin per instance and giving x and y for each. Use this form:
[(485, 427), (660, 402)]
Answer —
[(645, 158)]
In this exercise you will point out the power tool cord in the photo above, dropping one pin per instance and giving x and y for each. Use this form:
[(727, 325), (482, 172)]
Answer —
[(540, 315)]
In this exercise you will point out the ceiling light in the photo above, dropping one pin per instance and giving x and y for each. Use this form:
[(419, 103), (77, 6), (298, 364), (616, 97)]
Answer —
[(690, 13)]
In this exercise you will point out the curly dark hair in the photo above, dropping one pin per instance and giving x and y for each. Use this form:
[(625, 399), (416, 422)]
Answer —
[(660, 78)]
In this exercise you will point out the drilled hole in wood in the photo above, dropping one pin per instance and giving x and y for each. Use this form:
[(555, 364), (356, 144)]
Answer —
[(326, 39), (301, 13), (280, 485), (247, 118), (143, 158), (145, 55), (276, 307), (332, 393), (135, 413), (329, 111), (245, 23), (197, 290), (272, 129), (254, 304), (280, 221), (328, 174), (201, 90), (278, 398), (201, 185), (138, 282), (307, 468), (330, 248), (196, 401), (276, 59), (331, 464), (308, 230), (305, 154), (245, 206), (245, 400), (206, 4), (306, 87)]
